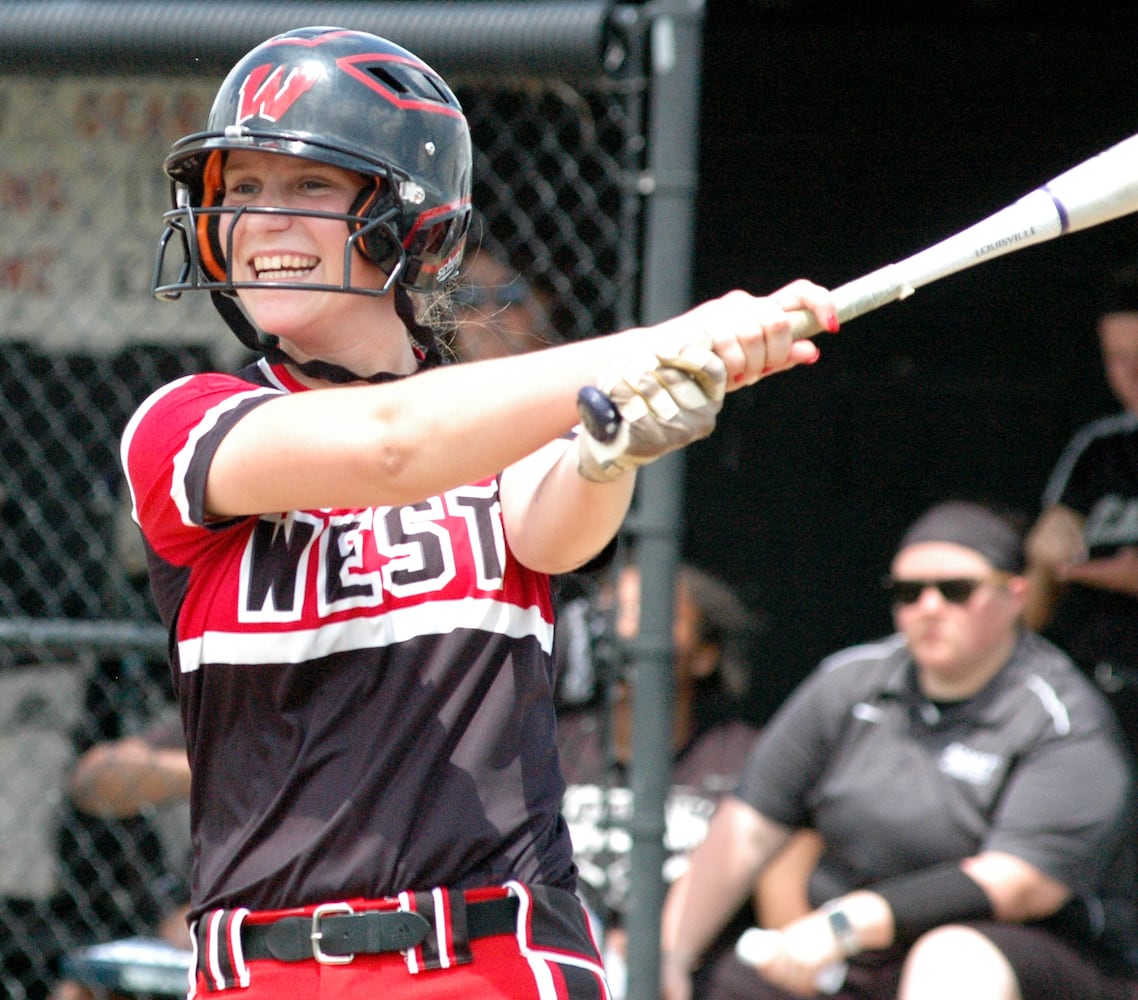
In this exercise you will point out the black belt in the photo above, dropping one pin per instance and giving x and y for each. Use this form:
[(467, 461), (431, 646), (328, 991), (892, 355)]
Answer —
[(334, 934)]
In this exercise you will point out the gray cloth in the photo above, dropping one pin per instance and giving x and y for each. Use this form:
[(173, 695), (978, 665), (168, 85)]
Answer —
[(973, 526), (1033, 765)]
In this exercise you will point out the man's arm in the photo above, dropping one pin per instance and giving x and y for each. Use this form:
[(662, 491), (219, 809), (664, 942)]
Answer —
[(122, 777), (1054, 543), (722, 873)]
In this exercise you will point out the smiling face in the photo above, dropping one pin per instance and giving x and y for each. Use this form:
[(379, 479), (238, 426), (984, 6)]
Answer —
[(294, 248)]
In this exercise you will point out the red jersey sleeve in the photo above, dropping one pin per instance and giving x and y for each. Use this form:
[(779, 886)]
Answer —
[(166, 452)]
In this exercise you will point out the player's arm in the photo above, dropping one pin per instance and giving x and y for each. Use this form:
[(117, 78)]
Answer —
[(721, 874), (402, 441), (556, 520), (1054, 543)]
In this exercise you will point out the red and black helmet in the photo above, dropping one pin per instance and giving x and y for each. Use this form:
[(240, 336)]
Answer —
[(350, 99)]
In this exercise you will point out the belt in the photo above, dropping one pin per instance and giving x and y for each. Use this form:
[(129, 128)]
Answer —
[(334, 934)]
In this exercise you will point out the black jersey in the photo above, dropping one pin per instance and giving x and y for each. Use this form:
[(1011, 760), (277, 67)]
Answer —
[(366, 694), (1097, 476)]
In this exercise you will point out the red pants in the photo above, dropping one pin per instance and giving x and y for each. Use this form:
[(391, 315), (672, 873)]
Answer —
[(550, 955)]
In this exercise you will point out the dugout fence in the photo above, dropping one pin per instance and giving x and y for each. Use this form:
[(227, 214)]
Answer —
[(583, 118)]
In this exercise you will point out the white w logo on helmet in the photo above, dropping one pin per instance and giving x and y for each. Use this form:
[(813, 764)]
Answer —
[(268, 93)]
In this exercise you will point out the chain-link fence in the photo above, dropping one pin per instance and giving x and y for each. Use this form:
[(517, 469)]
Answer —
[(558, 165)]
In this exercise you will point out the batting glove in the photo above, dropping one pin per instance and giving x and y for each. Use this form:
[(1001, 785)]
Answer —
[(666, 404)]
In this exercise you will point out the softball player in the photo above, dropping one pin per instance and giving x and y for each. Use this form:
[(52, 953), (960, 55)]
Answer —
[(353, 564)]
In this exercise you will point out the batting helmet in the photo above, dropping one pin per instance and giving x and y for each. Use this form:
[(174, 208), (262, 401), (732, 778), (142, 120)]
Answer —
[(346, 98)]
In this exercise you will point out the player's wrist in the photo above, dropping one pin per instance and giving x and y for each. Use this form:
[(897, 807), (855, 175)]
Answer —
[(846, 938), (598, 464)]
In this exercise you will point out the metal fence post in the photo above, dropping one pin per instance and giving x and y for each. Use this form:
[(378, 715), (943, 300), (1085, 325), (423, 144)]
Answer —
[(669, 186)]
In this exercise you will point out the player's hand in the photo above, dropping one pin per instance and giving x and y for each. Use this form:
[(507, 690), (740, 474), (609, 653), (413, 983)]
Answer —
[(1056, 541), (752, 334), (661, 404)]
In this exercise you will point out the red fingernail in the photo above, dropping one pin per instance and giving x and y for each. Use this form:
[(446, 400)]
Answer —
[(739, 377), (832, 323)]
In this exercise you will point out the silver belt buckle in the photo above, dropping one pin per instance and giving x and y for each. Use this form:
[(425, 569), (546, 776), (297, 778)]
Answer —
[(318, 935)]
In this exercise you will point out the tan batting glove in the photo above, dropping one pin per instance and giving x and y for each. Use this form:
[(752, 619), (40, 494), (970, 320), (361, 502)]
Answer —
[(667, 403)]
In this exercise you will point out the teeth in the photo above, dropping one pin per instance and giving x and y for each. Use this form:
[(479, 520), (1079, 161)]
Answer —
[(283, 265)]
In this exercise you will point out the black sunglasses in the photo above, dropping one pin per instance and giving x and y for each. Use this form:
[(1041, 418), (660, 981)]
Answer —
[(956, 591)]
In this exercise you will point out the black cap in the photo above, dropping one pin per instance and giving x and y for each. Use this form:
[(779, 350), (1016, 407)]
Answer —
[(975, 527)]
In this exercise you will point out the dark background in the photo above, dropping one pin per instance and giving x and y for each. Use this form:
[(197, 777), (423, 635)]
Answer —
[(832, 144)]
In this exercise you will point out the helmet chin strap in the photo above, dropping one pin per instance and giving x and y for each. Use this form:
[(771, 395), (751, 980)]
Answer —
[(427, 351)]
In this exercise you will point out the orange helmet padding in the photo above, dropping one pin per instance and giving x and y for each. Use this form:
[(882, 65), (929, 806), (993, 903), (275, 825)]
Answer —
[(208, 228), (210, 250)]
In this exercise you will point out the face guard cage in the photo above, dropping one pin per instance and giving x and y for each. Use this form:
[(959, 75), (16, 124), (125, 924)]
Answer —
[(186, 221)]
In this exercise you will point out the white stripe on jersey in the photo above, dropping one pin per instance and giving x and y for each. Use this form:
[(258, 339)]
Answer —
[(132, 426), (879, 649), (1052, 703), (183, 458), (385, 629), (1119, 423)]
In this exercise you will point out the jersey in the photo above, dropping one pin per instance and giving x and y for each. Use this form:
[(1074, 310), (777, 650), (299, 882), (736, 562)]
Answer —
[(1097, 476), (1032, 766), (366, 694)]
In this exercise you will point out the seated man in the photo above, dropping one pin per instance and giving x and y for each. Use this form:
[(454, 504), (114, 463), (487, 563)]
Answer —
[(972, 791)]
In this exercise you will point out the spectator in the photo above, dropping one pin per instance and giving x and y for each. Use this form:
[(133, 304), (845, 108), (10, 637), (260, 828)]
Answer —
[(133, 777), (714, 635), (1083, 549), (972, 793), (497, 312), (712, 640)]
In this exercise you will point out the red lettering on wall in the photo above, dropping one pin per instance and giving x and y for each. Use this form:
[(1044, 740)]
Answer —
[(24, 193), (132, 114), (27, 273)]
